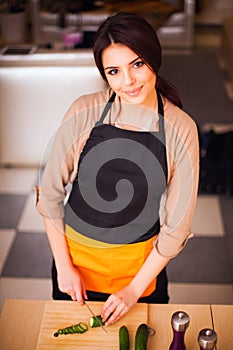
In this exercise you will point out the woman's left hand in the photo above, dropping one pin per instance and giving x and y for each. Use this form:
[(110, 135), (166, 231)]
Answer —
[(118, 304)]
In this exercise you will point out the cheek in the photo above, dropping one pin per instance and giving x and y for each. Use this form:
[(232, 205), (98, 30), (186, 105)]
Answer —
[(149, 76), (113, 82)]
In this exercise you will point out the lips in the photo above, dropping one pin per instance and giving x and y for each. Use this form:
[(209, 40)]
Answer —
[(134, 92)]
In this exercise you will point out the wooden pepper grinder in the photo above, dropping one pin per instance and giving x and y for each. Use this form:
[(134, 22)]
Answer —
[(207, 339), (180, 322)]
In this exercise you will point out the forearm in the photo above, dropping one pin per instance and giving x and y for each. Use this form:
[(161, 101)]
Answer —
[(69, 278), (56, 236), (152, 266)]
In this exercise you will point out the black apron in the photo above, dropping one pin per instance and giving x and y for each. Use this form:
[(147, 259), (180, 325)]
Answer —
[(112, 214)]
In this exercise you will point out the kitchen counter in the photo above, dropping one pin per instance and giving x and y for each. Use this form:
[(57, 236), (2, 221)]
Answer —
[(48, 57), (42, 86), (25, 325)]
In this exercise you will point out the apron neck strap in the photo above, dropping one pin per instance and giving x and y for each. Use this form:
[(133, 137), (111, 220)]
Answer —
[(107, 107), (160, 110)]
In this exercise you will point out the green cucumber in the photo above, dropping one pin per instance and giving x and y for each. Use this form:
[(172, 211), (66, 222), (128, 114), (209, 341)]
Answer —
[(123, 338), (141, 337), (80, 327), (94, 323)]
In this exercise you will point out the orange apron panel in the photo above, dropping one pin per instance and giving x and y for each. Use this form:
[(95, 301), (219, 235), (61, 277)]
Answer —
[(106, 268)]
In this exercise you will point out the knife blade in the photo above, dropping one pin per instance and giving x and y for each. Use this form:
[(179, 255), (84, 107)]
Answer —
[(93, 314)]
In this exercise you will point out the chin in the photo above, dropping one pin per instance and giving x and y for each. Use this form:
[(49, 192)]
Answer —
[(134, 100)]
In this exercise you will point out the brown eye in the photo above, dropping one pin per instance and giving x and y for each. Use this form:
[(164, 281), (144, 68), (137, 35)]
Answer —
[(113, 72), (138, 64)]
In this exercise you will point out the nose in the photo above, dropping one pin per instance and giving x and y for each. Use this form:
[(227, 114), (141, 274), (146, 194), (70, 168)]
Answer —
[(128, 78)]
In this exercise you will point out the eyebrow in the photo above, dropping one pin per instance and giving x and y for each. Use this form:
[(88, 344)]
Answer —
[(114, 67)]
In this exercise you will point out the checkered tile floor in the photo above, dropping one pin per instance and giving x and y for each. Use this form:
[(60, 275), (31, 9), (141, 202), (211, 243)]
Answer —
[(201, 273)]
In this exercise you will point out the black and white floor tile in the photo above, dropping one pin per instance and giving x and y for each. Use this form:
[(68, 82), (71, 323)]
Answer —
[(201, 273)]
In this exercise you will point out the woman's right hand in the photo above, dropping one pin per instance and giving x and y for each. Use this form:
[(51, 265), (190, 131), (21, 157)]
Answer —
[(70, 281), (69, 278)]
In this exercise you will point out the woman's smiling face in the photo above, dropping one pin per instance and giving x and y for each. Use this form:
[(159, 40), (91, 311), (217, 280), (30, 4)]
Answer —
[(129, 76)]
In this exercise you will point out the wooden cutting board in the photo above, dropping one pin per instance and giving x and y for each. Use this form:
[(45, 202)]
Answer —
[(60, 314)]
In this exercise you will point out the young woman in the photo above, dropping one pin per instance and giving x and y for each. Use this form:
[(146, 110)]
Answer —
[(131, 154)]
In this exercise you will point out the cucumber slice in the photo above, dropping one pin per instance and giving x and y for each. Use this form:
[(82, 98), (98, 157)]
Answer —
[(141, 337), (83, 326), (123, 338), (94, 323)]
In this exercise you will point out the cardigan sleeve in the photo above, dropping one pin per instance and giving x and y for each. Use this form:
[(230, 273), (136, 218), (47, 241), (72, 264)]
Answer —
[(179, 201), (51, 191)]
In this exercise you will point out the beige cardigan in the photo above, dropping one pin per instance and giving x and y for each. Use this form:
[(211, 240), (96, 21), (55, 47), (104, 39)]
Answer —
[(179, 201)]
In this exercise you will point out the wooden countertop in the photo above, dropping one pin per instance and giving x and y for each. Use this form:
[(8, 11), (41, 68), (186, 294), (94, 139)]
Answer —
[(22, 323)]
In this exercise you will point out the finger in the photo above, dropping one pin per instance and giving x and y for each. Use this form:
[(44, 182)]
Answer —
[(73, 295), (119, 312), (109, 303), (79, 298), (108, 309), (66, 290), (80, 301), (84, 293)]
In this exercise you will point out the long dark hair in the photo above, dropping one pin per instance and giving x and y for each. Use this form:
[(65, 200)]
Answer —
[(136, 33)]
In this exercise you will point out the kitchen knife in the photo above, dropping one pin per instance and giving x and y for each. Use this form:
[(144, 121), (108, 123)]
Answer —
[(93, 314)]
